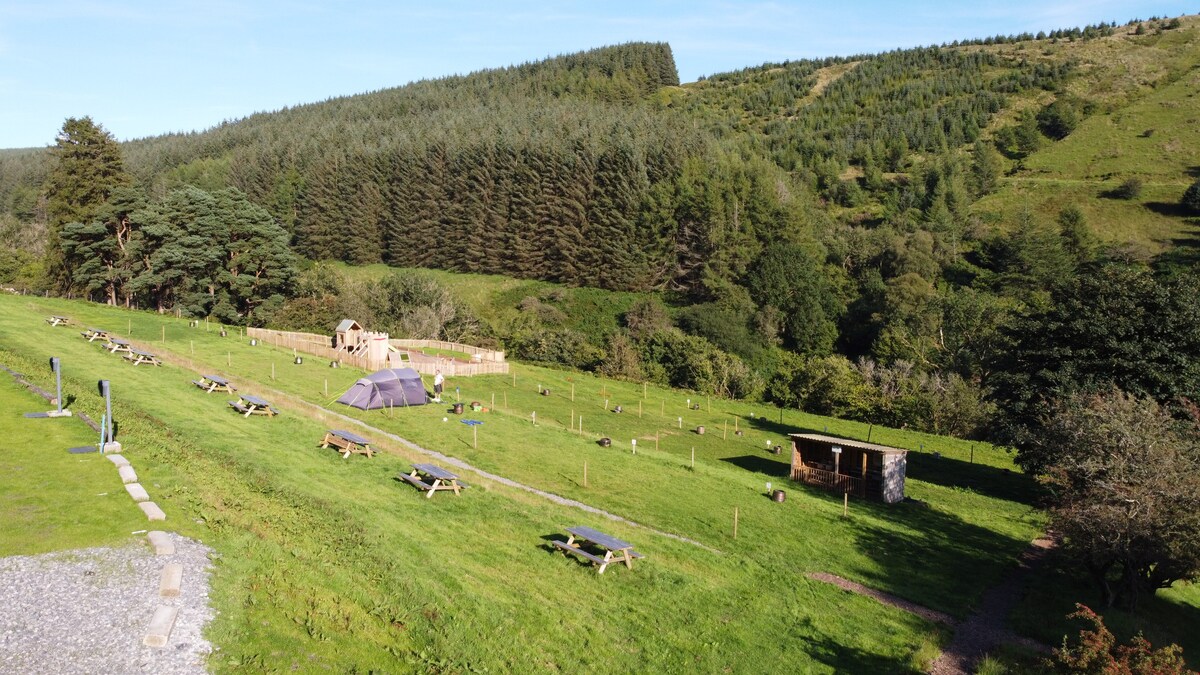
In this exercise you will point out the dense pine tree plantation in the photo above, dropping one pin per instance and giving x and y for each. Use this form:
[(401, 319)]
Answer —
[(811, 226)]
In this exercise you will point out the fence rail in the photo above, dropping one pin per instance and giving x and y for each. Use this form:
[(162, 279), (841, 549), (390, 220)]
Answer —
[(834, 482), (485, 355), (321, 346)]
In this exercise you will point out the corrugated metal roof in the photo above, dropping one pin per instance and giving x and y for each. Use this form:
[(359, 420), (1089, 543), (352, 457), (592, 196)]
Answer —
[(834, 440)]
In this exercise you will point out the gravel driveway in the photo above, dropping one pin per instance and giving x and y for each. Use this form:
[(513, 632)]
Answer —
[(86, 611)]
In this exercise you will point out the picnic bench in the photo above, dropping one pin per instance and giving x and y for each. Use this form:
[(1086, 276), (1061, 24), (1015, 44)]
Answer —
[(117, 345), (137, 357), (347, 442), (93, 334), (249, 405), (431, 478), (613, 550), (211, 383), (58, 321)]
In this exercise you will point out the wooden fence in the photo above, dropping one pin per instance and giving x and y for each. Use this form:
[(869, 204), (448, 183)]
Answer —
[(491, 362), (834, 482), (311, 343), (480, 355)]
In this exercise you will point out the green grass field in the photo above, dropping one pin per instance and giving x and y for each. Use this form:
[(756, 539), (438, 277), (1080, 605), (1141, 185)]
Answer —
[(328, 563), (1145, 128)]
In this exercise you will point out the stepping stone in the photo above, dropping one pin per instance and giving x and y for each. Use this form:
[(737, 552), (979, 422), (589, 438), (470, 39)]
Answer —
[(161, 542), (160, 626), (128, 475), (172, 577), (138, 492), (119, 460), (152, 511)]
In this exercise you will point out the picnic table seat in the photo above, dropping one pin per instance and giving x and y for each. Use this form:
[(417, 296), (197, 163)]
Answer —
[(347, 442), (138, 357)]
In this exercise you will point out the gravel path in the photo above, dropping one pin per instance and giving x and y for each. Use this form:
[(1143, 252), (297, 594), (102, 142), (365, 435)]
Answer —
[(886, 598), (986, 629), (86, 611), (981, 632)]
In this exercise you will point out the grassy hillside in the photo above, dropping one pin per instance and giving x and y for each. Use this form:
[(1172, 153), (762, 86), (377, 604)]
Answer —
[(1145, 128), (331, 563)]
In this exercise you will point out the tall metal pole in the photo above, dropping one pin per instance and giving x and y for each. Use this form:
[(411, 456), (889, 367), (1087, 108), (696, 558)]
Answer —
[(57, 381)]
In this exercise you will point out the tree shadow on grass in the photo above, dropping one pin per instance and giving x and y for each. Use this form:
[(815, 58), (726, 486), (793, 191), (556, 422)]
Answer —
[(1052, 595), (764, 465), (844, 658), (930, 556), (1171, 209), (987, 480)]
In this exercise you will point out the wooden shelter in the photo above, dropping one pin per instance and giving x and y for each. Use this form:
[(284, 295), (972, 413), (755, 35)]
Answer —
[(843, 465), (348, 335)]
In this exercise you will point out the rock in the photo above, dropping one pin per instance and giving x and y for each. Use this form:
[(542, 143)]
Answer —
[(138, 492), (152, 511), (128, 475), (160, 626), (161, 542), (172, 578)]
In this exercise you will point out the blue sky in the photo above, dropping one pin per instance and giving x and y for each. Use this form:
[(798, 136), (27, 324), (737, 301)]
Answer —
[(147, 68)]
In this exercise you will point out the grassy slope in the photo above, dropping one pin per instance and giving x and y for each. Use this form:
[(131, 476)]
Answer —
[(52, 500), (326, 551), (1147, 128)]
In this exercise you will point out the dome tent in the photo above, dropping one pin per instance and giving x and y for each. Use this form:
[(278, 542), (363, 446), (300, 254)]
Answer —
[(386, 388)]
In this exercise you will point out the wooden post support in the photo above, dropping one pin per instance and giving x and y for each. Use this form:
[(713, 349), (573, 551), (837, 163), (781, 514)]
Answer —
[(164, 334), (725, 433), (493, 400), (606, 404), (845, 504), (327, 387), (475, 436), (735, 421), (735, 521), (585, 473), (272, 370), (693, 456), (533, 415), (572, 391), (581, 425)]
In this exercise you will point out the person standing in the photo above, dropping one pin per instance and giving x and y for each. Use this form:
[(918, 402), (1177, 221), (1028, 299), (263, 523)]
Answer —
[(438, 381)]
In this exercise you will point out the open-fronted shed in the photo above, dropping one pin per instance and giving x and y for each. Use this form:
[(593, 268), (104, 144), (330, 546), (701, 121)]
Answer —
[(843, 465)]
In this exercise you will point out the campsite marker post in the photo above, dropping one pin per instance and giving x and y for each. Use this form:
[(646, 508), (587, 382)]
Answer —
[(693, 456), (534, 416), (585, 473), (735, 521), (634, 444)]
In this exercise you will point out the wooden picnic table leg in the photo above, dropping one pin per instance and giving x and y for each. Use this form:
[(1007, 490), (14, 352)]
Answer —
[(607, 559), (628, 559), (249, 411), (433, 487), (456, 487)]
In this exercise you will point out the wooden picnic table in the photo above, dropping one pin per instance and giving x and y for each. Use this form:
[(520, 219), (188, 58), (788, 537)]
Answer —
[(58, 321), (431, 478), (137, 357), (117, 345), (211, 383), (347, 442), (249, 405), (93, 334), (614, 550)]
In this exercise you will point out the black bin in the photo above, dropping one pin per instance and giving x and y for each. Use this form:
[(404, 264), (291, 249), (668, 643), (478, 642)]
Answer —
[(778, 496)]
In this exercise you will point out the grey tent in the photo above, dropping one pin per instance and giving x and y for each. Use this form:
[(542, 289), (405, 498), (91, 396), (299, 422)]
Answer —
[(386, 388)]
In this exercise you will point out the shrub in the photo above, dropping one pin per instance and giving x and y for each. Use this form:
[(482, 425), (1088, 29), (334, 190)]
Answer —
[(1098, 652), (1130, 188), (1191, 198)]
